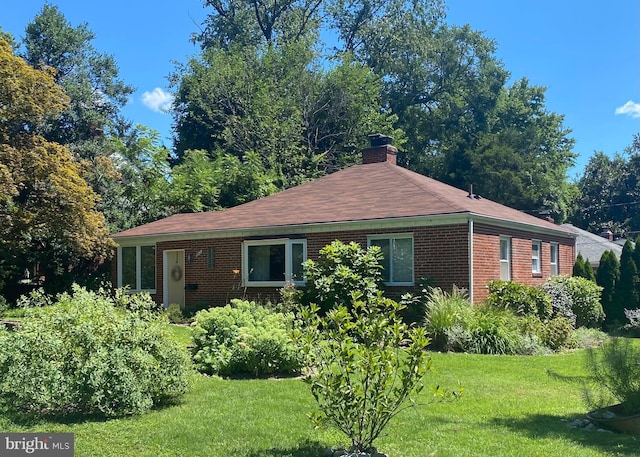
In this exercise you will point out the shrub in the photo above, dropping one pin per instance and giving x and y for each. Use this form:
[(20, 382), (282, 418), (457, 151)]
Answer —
[(361, 379), (614, 375), (521, 299), (557, 333), (244, 338), (174, 313), (581, 295), (446, 317), (340, 269), (589, 337), (4, 305), (493, 331), (607, 277), (83, 355)]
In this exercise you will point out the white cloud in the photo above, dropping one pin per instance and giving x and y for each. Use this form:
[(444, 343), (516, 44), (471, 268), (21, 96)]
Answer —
[(630, 108), (157, 100)]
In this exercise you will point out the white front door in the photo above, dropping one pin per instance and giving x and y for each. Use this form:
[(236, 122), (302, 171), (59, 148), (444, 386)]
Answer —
[(174, 278)]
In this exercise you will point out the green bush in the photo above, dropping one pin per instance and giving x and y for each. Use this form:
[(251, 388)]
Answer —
[(174, 313), (550, 335), (521, 299), (361, 378), (4, 305), (613, 373), (446, 317), (581, 295), (244, 338), (84, 355), (340, 269), (557, 333), (493, 331)]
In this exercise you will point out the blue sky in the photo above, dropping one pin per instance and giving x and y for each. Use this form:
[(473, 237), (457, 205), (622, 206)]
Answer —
[(586, 52)]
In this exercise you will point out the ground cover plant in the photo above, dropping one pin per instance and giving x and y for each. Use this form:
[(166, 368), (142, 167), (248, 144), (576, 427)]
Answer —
[(511, 407), (88, 353)]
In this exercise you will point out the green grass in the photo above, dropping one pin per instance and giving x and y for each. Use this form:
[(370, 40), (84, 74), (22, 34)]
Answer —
[(182, 333), (510, 407)]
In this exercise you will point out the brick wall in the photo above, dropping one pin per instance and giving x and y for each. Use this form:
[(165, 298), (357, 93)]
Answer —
[(486, 260), (440, 253)]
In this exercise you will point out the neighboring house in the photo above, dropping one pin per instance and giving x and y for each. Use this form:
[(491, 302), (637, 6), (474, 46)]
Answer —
[(592, 246), (425, 229)]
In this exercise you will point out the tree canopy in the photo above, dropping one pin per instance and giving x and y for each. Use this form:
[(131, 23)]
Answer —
[(47, 209), (303, 82)]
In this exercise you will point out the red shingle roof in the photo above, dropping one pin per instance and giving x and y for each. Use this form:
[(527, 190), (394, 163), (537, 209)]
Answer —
[(359, 193)]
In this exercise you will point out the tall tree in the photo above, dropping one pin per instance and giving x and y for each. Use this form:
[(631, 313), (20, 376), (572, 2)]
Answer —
[(298, 118), (88, 77), (579, 267), (47, 209), (607, 277), (443, 84), (627, 288), (254, 22), (610, 192)]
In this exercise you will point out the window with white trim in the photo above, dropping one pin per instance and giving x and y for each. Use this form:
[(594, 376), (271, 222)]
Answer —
[(535, 256), (137, 268), (553, 258), (273, 262), (397, 257), (505, 258)]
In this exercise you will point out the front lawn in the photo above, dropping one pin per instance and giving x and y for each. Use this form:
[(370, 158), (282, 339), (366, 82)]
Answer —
[(510, 407)]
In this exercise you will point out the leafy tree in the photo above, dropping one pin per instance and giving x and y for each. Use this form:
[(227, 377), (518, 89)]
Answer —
[(588, 269), (442, 84), (607, 277), (139, 167), (48, 211), (579, 267), (609, 192), (626, 295), (194, 184), (253, 22), (362, 379), (275, 104), (88, 77)]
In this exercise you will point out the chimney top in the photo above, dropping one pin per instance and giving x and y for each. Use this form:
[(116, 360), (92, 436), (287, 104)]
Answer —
[(378, 139), (381, 150)]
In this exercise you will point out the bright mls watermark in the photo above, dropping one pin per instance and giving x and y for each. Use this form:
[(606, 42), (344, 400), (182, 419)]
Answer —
[(36, 444)]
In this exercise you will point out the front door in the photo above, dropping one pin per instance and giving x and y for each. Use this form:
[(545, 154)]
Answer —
[(174, 278)]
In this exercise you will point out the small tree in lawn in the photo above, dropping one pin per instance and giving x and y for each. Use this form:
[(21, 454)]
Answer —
[(361, 376)]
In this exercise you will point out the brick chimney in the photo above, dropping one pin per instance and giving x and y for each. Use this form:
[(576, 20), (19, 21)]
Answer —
[(381, 150), (606, 233)]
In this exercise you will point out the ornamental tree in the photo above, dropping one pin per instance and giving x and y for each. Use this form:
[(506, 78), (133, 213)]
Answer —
[(47, 211)]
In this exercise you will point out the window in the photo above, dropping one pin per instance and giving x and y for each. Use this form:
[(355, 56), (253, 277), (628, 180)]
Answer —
[(505, 258), (274, 262), (397, 261), (553, 256), (535, 256), (137, 267)]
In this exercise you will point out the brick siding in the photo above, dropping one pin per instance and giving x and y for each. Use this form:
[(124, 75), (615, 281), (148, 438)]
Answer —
[(440, 254)]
